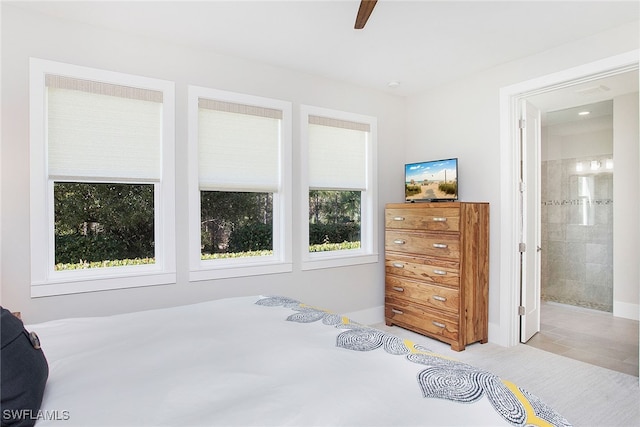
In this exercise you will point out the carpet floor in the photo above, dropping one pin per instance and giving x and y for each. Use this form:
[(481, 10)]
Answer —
[(586, 395)]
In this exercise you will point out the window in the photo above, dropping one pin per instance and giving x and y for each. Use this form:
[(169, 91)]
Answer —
[(240, 180), (339, 188), (102, 203), (103, 225)]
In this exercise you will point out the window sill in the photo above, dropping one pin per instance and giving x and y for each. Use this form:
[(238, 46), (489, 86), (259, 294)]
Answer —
[(94, 284), (229, 271), (331, 260)]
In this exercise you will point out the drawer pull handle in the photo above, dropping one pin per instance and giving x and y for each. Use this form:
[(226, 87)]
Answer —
[(440, 245), (398, 218), (439, 298), (398, 288), (440, 272), (440, 219), (398, 265), (438, 324), (396, 311), (399, 242)]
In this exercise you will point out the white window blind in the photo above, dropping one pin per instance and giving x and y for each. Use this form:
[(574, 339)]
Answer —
[(101, 130), (337, 154), (238, 146)]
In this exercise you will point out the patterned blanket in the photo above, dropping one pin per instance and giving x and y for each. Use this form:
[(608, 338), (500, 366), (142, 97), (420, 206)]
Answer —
[(442, 377)]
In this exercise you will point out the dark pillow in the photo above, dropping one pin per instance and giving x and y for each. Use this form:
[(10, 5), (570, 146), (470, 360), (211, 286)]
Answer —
[(24, 371)]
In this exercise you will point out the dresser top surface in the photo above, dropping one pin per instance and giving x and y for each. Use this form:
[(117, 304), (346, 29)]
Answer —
[(420, 205)]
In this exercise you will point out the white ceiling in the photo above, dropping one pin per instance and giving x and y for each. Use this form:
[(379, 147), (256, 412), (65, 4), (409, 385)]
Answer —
[(420, 44), (563, 105)]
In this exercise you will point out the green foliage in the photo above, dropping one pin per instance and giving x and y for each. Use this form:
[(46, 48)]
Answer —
[(228, 255), (72, 248), (410, 190), (448, 187), (334, 207), (323, 247), (97, 221), (251, 237), (334, 219), (235, 221), (334, 246), (100, 225), (333, 233), (102, 264)]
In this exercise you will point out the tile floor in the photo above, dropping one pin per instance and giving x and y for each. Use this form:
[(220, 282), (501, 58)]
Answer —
[(591, 336)]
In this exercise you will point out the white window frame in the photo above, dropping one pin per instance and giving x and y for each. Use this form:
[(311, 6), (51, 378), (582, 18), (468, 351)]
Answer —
[(45, 281), (368, 251), (281, 260)]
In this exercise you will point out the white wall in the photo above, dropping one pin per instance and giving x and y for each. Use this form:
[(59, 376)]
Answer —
[(626, 213), (462, 119), (565, 141), (25, 34)]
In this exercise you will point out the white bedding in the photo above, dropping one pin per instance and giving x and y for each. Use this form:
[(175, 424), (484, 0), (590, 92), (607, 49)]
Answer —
[(235, 362)]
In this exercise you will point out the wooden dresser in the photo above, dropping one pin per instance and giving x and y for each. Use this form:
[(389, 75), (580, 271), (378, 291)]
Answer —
[(437, 270)]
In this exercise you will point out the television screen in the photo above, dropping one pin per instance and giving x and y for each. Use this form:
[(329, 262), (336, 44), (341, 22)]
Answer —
[(431, 181)]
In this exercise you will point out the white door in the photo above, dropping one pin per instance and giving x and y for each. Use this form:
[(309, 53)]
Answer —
[(530, 221)]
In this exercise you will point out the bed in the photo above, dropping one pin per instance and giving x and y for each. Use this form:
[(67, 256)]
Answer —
[(262, 361)]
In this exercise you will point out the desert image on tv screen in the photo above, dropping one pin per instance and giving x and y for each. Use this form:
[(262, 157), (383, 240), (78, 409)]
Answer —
[(431, 180)]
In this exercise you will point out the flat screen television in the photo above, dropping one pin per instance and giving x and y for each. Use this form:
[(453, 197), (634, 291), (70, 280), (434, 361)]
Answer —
[(431, 181)]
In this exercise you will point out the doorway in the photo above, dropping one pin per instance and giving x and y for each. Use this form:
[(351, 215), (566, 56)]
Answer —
[(576, 202), (573, 194), (511, 187), (576, 247)]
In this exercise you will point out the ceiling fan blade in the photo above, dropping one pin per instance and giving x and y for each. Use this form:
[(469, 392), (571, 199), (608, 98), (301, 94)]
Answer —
[(366, 7)]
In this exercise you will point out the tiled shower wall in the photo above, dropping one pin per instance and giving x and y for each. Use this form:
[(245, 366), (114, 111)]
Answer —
[(577, 233)]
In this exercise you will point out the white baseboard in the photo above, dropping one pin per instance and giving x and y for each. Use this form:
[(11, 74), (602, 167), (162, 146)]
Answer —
[(370, 316), (626, 310), (497, 335)]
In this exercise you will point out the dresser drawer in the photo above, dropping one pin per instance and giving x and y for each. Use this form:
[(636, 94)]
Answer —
[(427, 218), (443, 272), (420, 320), (436, 270), (427, 244), (434, 296)]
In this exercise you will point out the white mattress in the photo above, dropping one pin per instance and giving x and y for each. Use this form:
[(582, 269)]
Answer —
[(233, 362)]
